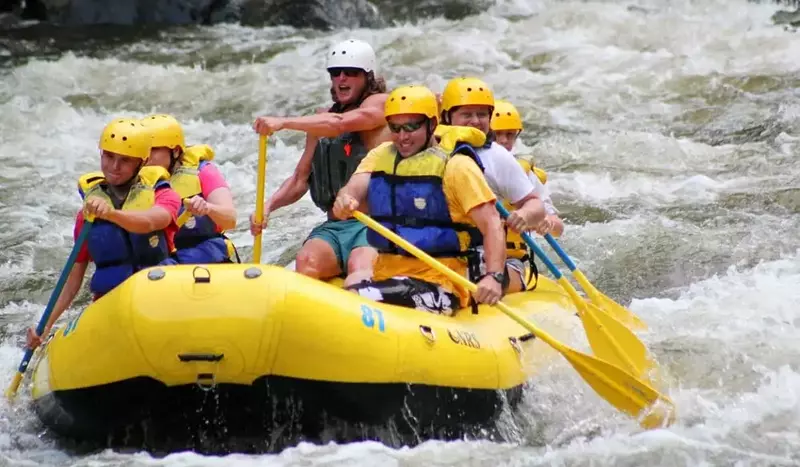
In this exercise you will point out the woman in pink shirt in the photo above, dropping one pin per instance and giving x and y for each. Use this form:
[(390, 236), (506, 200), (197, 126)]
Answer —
[(200, 184)]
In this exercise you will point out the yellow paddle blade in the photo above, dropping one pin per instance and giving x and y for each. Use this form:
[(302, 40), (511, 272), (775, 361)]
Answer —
[(610, 340), (610, 306), (624, 391), (621, 389), (614, 342), (12, 388)]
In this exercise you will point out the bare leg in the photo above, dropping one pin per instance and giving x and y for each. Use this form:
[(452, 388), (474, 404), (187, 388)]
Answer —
[(317, 259), (360, 265), (514, 281)]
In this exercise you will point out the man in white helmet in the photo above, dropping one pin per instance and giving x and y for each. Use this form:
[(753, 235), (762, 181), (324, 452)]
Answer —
[(336, 142)]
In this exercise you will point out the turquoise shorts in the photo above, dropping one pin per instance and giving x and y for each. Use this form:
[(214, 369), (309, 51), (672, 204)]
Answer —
[(342, 236)]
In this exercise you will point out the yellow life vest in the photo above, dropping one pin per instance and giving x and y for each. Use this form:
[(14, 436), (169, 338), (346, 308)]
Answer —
[(141, 195), (186, 182), (117, 253)]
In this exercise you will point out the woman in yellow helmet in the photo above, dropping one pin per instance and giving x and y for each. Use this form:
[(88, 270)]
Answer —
[(196, 179), (470, 102), (507, 125), (134, 212), (441, 205)]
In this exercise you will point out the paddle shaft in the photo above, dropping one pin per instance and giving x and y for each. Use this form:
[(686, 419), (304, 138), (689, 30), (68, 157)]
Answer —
[(185, 215), (600, 337), (569, 263), (262, 177), (62, 280)]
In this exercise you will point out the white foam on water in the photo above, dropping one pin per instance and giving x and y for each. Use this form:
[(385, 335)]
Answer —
[(631, 99)]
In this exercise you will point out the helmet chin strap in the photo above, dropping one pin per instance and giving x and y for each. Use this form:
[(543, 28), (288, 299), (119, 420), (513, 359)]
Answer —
[(174, 158)]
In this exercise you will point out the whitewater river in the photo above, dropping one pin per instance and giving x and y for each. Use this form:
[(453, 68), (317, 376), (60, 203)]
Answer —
[(670, 132)]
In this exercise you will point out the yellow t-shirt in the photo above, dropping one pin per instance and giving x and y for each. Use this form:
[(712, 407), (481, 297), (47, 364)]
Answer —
[(465, 189)]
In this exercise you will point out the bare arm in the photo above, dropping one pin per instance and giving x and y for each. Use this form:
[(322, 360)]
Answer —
[(531, 209), (488, 222), (558, 225), (141, 222), (221, 209), (68, 293), (357, 187), (367, 117)]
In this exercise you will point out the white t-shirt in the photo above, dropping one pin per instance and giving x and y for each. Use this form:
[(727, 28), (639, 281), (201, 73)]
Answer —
[(543, 193), (504, 174)]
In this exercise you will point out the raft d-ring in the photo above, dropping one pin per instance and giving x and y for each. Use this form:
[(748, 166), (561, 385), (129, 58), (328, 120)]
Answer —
[(427, 333), (201, 279), (206, 381), (515, 344)]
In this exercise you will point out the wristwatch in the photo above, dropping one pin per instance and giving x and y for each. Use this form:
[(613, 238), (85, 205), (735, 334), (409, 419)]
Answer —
[(498, 276)]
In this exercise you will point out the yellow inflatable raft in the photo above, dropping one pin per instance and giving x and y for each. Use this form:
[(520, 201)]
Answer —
[(256, 347)]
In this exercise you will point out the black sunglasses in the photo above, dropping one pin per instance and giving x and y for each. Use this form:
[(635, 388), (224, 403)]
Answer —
[(407, 127), (349, 72)]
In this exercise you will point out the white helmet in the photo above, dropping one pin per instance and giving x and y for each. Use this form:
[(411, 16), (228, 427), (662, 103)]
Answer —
[(352, 53)]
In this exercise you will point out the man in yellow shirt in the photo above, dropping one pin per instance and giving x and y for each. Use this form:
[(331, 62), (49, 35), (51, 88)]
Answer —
[(440, 204)]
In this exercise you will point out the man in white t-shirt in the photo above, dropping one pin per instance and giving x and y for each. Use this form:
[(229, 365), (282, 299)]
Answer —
[(506, 126), (469, 102)]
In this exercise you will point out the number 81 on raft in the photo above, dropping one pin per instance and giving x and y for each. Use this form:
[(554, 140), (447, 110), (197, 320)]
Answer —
[(369, 315)]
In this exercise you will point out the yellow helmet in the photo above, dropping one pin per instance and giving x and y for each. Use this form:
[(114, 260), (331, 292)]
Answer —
[(505, 117), (166, 131), (412, 100), (466, 91), (127, 137)]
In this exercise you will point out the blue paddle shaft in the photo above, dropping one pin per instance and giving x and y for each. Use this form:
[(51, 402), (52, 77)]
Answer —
[(73, 255), (533, 245), (560, 252)]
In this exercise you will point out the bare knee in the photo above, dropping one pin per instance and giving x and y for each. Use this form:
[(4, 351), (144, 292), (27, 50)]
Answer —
[(362, 259), (317, 261), (307, 264)]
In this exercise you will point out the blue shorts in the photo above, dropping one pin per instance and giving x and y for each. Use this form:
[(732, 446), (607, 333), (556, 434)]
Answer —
[(342, 236)]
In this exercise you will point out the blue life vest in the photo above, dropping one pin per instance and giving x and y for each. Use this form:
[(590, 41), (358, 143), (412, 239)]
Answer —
[(197, 241), (117, 253), (405, 195)]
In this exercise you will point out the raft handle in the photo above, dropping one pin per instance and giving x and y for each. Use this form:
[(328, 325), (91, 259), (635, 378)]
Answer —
[(515, 345), (200, 357), (201, 279), (206, 381), (427, 333)]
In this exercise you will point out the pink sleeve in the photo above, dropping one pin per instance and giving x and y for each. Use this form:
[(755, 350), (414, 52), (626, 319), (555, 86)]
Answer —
[(211, 179), (168, 199), (83, 253)]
